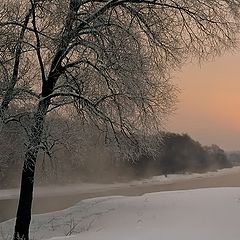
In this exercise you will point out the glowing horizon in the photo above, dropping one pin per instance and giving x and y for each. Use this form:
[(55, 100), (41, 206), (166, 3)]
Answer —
[(209, 107)]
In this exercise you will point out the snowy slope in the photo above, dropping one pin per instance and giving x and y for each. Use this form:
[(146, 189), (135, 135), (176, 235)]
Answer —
[(204, 214)]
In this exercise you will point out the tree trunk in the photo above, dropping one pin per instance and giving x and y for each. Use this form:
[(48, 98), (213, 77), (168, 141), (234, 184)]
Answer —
[(23, 218), (25, 201)]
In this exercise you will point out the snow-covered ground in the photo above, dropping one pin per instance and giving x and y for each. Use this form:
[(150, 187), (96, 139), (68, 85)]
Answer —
[(203, 214), (94, 188)]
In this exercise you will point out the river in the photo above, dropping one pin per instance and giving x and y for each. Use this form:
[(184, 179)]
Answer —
[(51, 200)]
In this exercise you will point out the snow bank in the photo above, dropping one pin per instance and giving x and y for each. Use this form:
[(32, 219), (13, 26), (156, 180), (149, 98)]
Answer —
[(203, 214)]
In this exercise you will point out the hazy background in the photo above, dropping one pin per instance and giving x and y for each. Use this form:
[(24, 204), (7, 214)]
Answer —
[(209, 106)]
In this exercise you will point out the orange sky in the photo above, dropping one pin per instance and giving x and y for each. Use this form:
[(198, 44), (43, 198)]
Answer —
[(209, 107)]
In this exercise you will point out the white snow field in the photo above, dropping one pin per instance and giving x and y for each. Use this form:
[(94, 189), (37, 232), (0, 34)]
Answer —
[(202, 214)]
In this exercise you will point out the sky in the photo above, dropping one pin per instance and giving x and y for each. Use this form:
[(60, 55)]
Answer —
[(209, 102)]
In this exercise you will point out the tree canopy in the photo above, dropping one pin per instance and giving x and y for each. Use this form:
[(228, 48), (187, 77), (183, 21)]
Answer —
[(110, 60)]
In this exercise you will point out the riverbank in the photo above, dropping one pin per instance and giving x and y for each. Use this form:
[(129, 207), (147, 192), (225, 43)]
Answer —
[(53, 198)]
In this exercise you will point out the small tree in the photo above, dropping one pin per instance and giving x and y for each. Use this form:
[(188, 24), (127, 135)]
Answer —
[(105, 61)]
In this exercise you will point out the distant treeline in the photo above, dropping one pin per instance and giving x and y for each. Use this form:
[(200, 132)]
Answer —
[(79, 157), (181, 154)]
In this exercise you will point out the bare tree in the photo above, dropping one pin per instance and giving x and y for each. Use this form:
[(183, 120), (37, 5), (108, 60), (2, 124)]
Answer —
[(14, 23), (105, 61)]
